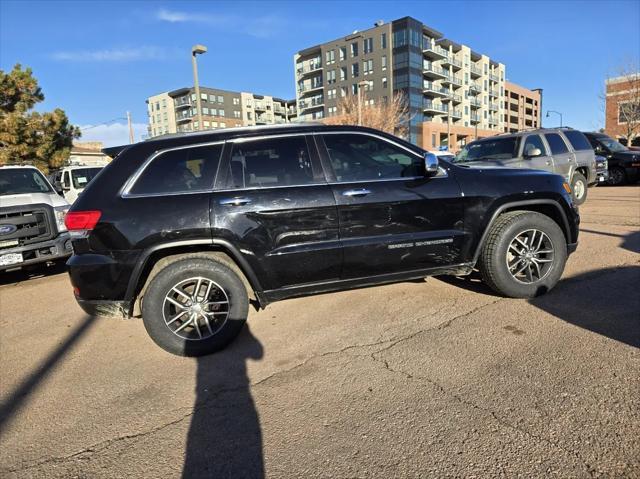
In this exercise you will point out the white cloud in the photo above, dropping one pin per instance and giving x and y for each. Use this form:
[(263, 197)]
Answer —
[(114, 54), (260, 27), (114, 134)]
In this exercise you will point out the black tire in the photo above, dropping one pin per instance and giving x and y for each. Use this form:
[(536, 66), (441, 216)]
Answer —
[(579, 188), (617, 176), (154, 307), (493, 257)]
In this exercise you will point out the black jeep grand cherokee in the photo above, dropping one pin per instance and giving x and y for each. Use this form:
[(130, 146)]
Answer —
[(189, 228)]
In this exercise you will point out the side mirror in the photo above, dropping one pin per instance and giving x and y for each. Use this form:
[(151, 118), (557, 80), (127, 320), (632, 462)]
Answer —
[(430, 164), (533, 152)]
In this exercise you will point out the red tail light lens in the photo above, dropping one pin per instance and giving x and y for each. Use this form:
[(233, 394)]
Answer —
[(81, 220)]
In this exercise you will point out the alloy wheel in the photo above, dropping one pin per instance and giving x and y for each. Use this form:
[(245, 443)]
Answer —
[(195, 308), (578, 189), (530, 256)]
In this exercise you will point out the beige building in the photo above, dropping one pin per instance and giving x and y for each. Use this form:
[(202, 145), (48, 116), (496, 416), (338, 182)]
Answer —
[(87, 154), (176, 111), (522, 108)]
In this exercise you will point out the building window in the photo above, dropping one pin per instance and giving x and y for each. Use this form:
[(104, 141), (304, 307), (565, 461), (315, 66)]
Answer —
[(220, 112), (354, 89), (383, 62), (355, 70), (367, 67), (193, 97), (164, 103), (383, 41), (384, 83), (236, 114), (486, 85), (236, 101), (354, 49), (205, 110), (486, 68), (343, 53), (249, 116), (332, 110), (367, 45), (214, 124), (331, 94), (204, 96), (343, 91), (220, 99), (330, 56), (343, 73), (206, 124), (331, 77), (164, 116)]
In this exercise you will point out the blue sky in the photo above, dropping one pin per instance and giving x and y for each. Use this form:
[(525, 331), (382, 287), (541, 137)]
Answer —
[(96, 60)]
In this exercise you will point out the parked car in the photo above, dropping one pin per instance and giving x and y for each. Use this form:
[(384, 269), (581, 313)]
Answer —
[(560, 150), (443, 154), (602, 169), (187, 229), (70, 181), (32, 226), (624, 164)]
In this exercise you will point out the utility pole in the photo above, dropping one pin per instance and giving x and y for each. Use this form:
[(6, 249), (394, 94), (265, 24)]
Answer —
[(197, 50), (130, 128)]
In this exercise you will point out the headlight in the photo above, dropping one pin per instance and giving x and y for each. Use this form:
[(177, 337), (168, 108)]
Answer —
[(61, 212)]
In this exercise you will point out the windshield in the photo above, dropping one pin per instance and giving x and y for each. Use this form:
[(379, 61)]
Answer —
[(490, 149), (16, 181), (612, 144), (81, 177)]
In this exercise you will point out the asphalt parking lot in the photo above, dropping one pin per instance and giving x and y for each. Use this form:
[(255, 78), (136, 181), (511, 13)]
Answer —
[(433, 378)]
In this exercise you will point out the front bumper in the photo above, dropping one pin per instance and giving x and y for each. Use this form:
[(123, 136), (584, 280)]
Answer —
[(57, 248)]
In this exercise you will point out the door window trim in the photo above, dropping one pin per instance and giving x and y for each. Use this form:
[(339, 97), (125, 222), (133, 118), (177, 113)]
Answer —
[(126, 190)]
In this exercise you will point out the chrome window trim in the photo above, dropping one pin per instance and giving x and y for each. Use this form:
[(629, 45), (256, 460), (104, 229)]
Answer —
[(132, 181), (366, 133), (246, 139)]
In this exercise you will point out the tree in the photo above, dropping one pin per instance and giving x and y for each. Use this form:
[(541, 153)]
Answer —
[(28, 137), (629, 106), (391, 116)]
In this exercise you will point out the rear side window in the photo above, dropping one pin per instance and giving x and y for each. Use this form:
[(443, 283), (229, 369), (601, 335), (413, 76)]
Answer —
[(180, 171), (577, 140), (273, 162), (556, 143)]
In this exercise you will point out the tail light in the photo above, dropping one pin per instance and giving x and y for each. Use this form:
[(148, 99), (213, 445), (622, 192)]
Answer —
[(81, 222)]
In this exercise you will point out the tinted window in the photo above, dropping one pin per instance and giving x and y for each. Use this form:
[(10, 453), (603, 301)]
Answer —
[(556, 143), (533, 141), (15, 181), (490, 149), (274, 162), (363, 157), (577, 140), (182, 170)]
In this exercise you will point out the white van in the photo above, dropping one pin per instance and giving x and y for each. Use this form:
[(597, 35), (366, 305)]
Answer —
[(71, 180)]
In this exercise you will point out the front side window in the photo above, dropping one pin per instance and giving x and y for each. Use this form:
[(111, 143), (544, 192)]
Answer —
[(179, 171), (532, 142), (272, 162), (16, 181), (556, 144), (489, 149), (363, 157)]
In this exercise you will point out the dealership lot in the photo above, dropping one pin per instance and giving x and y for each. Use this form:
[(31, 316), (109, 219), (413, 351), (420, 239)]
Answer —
[(429, 378)]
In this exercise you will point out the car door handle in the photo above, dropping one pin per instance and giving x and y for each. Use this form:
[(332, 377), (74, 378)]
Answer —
[(357, 192), (235, 201)]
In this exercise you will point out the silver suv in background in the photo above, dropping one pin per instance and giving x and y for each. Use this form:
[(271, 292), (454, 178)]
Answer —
[(564, 151)]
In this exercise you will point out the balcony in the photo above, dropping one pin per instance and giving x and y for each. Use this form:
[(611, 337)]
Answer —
[(475, 103), (456, 64), (475, 71), (454, 98), (436, 52), (315, 102), (475, 88), (308, 68), (494, 78), (181, 105), (456, 113), (453, 80), (259, 107), (432, 71), (432, 88), (493, 92), (475, 118), (304, 89), (493, 106), (433, 108), (183, 119)]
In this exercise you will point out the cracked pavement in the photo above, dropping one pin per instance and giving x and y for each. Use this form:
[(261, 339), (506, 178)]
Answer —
[(434, 378)]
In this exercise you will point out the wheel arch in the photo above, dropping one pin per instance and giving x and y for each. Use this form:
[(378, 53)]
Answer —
[(546, 207), (155, 258)]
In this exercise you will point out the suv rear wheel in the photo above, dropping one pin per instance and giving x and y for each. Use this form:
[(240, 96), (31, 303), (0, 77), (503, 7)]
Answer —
[(524, 254), (194, 307), (579, 187)]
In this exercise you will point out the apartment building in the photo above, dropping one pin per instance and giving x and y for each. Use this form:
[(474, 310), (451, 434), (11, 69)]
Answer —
[(176, 111), (454, 93), (622, 108), (522, 108)]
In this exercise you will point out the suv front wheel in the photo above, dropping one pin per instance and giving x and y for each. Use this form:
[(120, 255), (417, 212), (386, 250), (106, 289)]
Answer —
[(195, 307), (579, 186), (524, 254)]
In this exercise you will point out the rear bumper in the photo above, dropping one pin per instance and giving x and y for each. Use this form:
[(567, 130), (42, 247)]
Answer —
[(57, 248), (105, 308)]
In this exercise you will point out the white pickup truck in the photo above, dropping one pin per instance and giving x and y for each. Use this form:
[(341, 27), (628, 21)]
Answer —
[(32, 214), (71, 181)]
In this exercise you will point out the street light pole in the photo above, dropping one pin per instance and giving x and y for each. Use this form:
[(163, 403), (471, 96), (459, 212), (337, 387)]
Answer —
[(557, 113), (197, 50), (361, 85)]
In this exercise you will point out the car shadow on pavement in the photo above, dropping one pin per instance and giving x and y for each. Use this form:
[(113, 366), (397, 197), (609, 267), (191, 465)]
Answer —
[(630, 242), (603, 301), (28, 386), (32, 272), (225, 439)]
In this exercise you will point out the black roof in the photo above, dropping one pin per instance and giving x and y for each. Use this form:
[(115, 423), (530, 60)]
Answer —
[(177, 139)]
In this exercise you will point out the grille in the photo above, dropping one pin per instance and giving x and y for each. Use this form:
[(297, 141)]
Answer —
[(33, 224)]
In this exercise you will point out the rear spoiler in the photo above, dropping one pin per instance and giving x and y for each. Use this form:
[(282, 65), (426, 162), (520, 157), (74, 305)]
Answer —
[(114, 151)]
